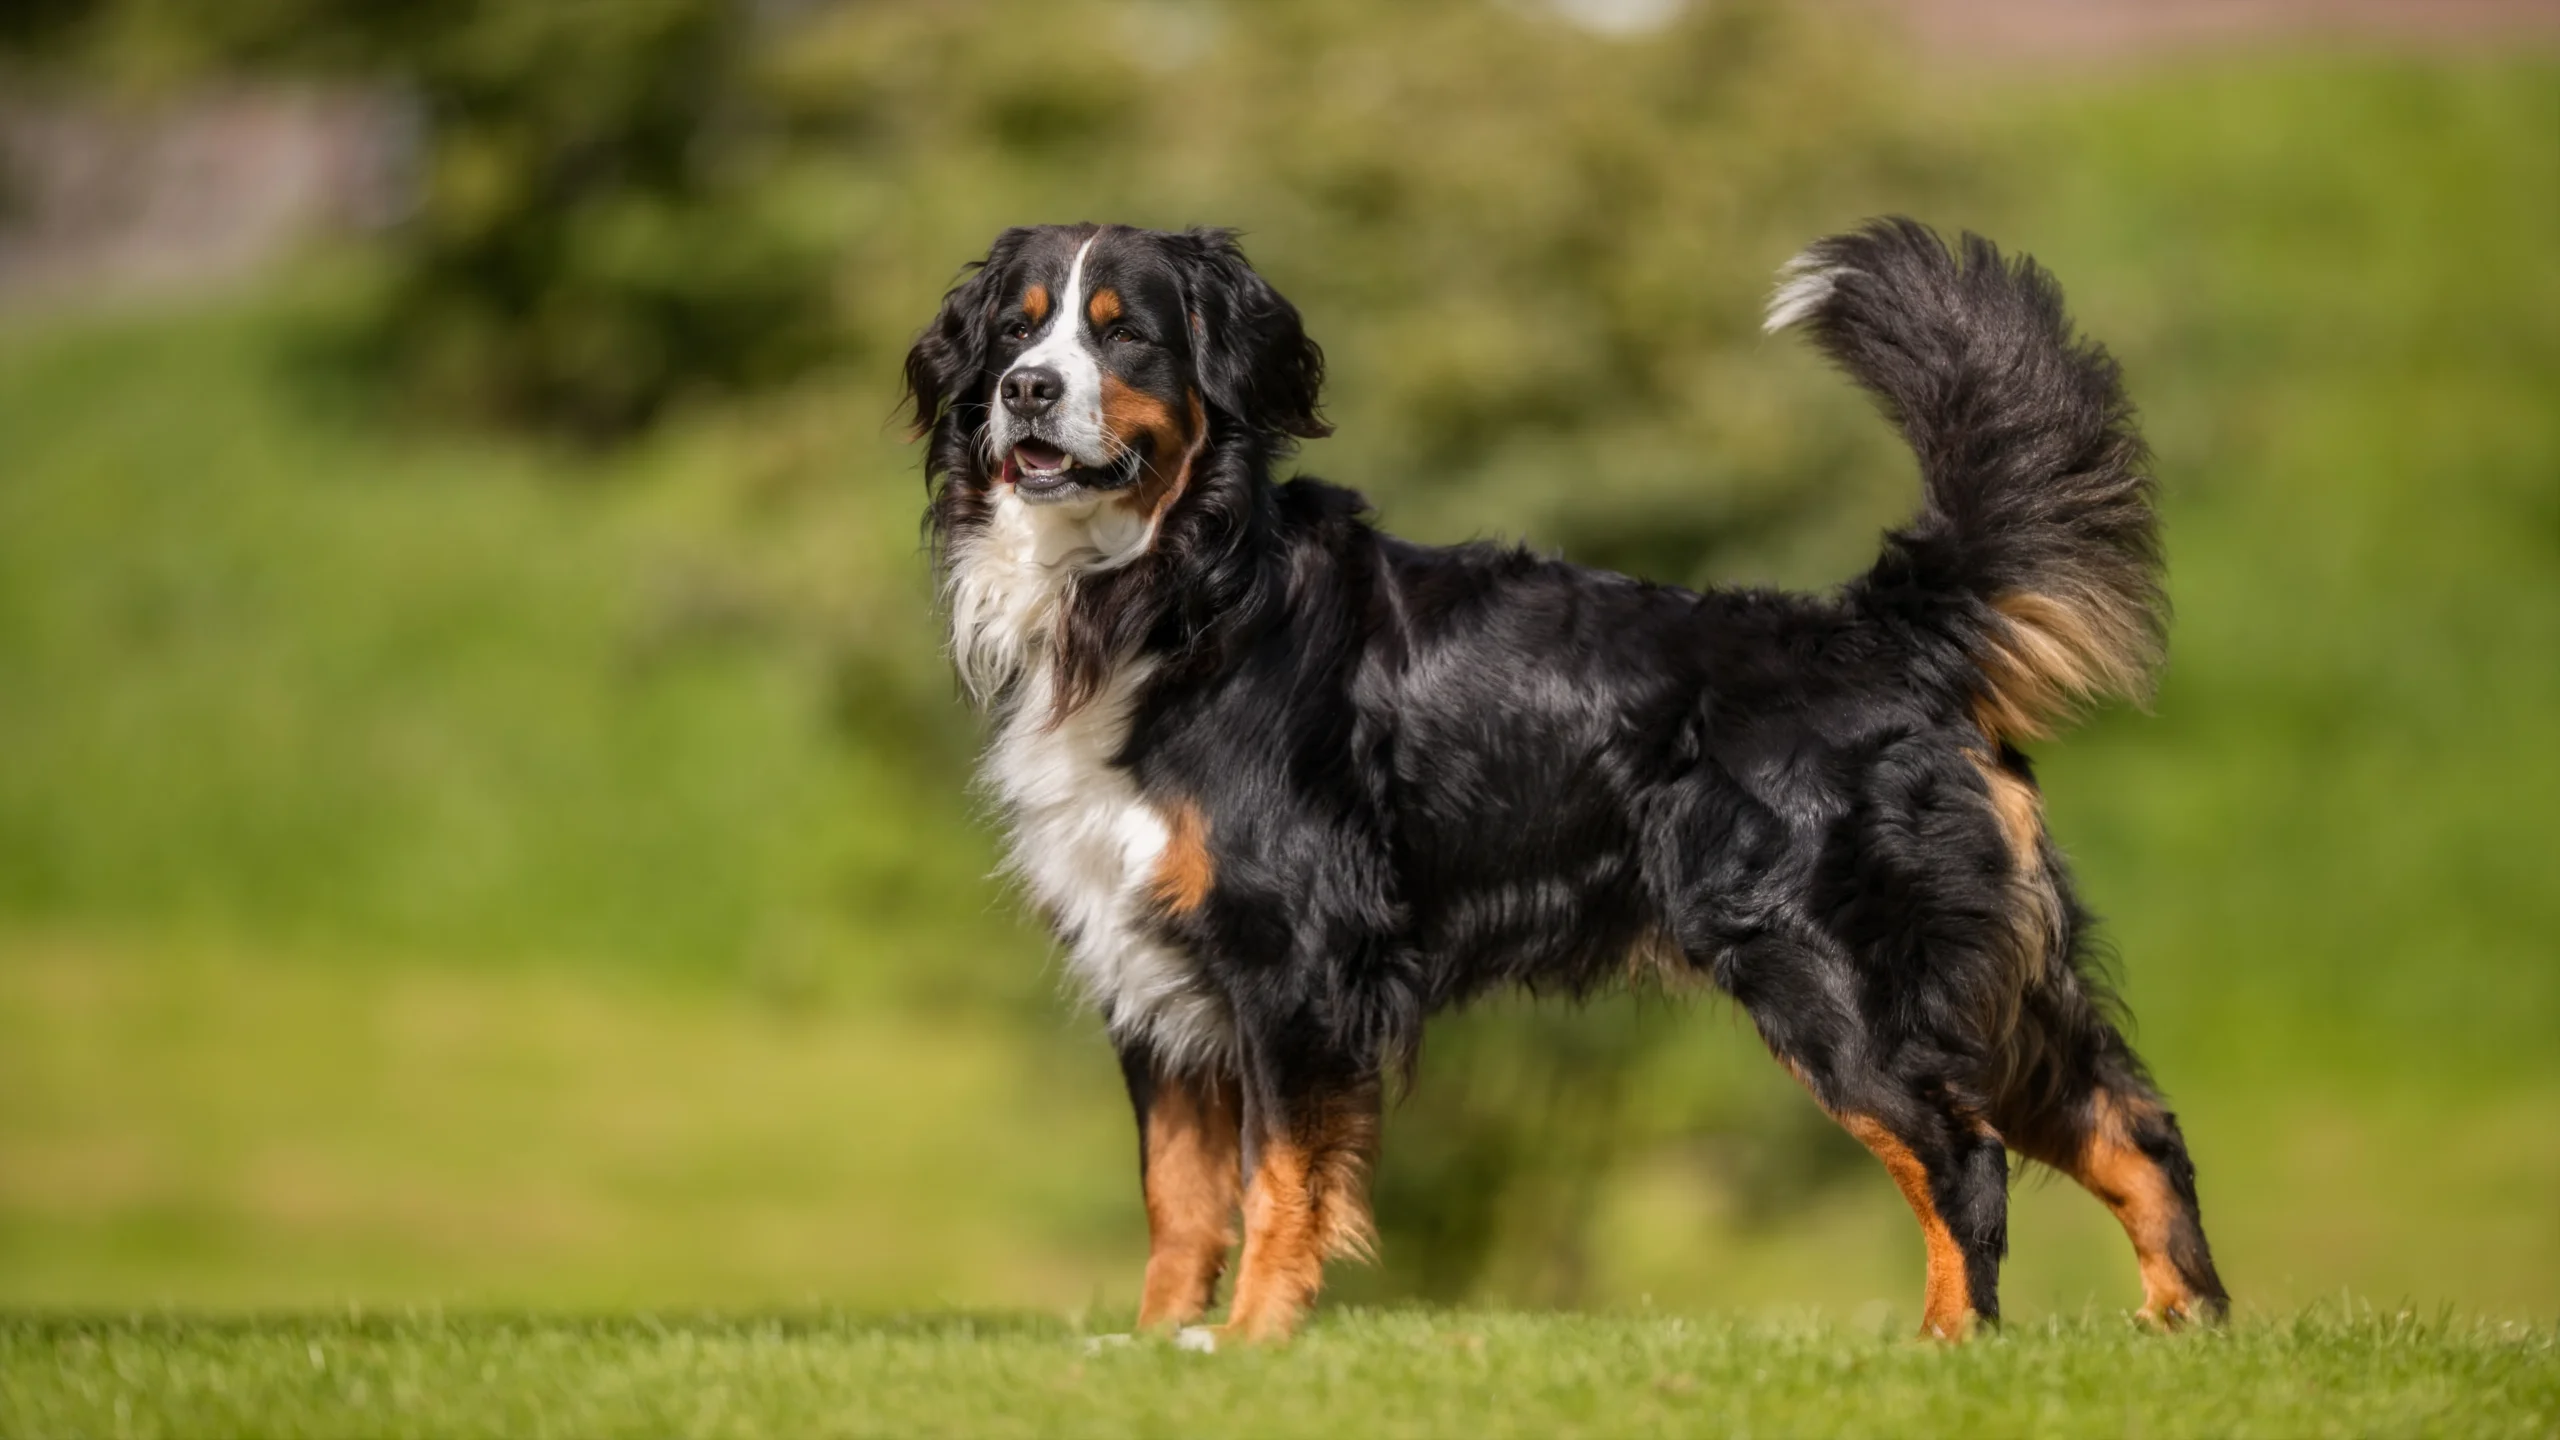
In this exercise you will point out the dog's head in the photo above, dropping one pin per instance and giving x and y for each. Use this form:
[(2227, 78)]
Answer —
[(1080, 362)]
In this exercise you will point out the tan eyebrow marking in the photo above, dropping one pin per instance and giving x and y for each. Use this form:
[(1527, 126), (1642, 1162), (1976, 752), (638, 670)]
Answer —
[(1035, 303), (1104, 307)]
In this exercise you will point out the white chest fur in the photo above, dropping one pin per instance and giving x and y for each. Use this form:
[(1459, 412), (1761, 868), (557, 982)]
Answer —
[(1080, 837)]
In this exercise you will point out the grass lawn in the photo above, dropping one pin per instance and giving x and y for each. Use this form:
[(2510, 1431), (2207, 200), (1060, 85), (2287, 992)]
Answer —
[(1370, 1372)]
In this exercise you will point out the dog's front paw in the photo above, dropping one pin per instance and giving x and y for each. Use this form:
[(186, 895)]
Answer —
[(1199, 1339)]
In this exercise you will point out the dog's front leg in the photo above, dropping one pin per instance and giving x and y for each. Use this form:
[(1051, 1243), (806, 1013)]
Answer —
[(1190, 1131), (1311, 1131)]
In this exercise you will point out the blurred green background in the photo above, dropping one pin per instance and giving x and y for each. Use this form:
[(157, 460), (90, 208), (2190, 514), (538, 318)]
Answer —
[(483, 812)]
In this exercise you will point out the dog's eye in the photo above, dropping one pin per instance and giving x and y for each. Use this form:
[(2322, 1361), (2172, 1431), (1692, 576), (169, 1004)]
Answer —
[(1018, 330), (1123, 335)]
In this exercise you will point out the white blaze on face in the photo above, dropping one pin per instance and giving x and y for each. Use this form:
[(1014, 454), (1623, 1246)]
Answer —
[(1074, 424)]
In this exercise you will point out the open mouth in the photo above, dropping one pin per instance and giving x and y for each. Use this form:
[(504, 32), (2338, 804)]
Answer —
[(1038, 469), (1037, 465)]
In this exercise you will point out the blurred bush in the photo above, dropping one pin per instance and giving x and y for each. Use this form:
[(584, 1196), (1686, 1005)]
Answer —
[(1526, 245), (596, 230)]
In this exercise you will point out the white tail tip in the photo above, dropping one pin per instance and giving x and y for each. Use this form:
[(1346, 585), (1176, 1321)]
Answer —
[(1803, 284)]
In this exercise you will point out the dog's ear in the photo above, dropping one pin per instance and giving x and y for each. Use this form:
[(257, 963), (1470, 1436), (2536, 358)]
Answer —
[(1253, 356), (952, 352)]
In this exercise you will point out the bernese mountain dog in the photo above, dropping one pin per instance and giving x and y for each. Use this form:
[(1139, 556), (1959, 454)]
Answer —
[(1284, 785)]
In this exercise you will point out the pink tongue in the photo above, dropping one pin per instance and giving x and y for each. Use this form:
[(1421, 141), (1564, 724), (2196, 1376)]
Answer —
[(1037, 456)]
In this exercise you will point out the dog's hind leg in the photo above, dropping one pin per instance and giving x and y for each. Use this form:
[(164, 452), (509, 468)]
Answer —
[(1954, 1175), (1189, 1166), (1944, 1156), (2091, 1112)]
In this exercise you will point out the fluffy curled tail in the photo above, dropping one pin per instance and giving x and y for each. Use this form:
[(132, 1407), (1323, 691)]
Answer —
[(2037, 554)]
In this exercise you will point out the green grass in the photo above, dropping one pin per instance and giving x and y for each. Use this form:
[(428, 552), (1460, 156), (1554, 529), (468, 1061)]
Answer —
[(1369, 1373)]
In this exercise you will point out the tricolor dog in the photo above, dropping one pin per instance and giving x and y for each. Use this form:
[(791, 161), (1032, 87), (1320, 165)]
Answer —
[(1284, 785)]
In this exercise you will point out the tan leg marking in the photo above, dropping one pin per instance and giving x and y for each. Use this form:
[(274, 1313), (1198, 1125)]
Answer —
[(1947, 1306), (1193, 1136), (2130, 1183), (1308, 1202), (2020, 812), (2035, 902)]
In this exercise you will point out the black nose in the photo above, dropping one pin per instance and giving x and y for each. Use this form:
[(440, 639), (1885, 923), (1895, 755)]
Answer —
[(1031, 390)]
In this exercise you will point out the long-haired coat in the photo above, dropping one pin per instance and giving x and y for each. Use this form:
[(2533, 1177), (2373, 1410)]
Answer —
[(1284, 785)]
